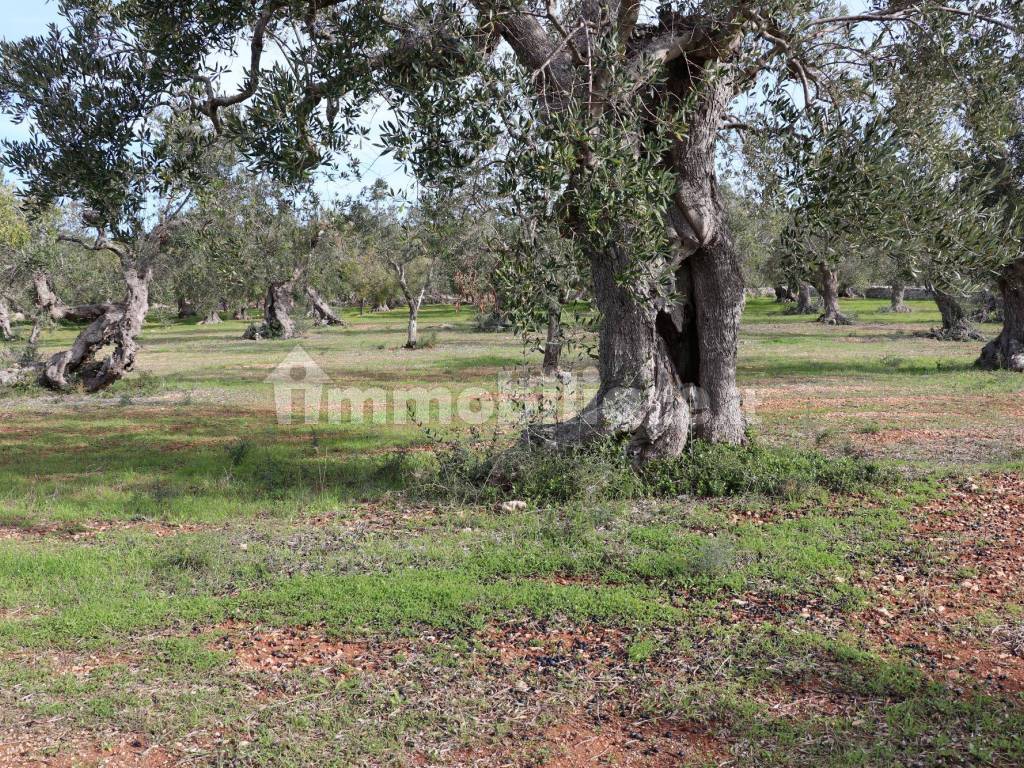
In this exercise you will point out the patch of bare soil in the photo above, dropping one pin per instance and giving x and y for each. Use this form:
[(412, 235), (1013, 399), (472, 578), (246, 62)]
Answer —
[(40, 750), (938, 428), (954, 614), (517, 646), (91, 529), (966, 444), (82, 665), (537, 645), (280, 650), (376, 517), (810, 699), (581, 742)]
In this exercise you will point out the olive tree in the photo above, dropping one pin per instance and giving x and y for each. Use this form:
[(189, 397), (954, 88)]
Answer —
[(43, 271), (995, 124), (98, 138), (248, 236), (613, 108), (955, 165), (284, 244)]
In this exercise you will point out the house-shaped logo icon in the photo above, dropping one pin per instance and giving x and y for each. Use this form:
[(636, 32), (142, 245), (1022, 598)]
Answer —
[(298, 373)]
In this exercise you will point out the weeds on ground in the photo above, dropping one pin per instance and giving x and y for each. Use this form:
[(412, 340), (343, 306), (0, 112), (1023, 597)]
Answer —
[(603, 471)]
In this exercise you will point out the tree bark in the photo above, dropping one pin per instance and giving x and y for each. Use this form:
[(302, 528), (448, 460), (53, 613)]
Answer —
[(641, 395), (991, 308), (828, 287), (668, 371), (242, 313), (6, 332), (212, 318), (1006, 351), (897, 297), (185, 308), (804, 304), (413, 300), (37, 331), (48, 301), (955, 324), (119, 326), (553, 344), (277, 309), (412, 337), (322, 312)]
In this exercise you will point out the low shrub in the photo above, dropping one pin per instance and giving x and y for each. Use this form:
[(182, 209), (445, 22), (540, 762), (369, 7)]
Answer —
[(709, 469), (544, 476), (603, 471)]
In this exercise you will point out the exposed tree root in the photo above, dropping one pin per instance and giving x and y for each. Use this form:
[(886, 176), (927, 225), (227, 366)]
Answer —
[(656, 422), (897, 302), (1002, 354), (960, 331), (834, 318), (897, 309)]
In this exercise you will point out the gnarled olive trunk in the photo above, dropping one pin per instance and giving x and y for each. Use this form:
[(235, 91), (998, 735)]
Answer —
[(6, 332), (119, 326), (828, 287), (553, 342), (668, 370), (641, 395), (1006, 351), (277, 312), (212, 318), (955, 324), (322, 312), (804, 303), (48, 301), (185, 308), (897, 296)]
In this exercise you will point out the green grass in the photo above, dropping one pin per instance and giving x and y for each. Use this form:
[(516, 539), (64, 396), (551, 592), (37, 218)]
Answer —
[(114, 623)]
